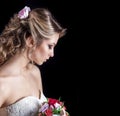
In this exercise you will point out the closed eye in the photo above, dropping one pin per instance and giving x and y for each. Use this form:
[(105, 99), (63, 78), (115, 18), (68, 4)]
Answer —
[(50, 46)]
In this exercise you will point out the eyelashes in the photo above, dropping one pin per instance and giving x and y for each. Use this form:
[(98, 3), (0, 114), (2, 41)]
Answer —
[(50, 46)]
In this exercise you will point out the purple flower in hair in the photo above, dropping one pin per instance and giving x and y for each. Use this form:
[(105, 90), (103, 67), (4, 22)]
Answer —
[(22, 14)]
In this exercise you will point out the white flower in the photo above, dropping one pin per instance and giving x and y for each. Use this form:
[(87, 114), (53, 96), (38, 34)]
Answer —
[(57, 105)]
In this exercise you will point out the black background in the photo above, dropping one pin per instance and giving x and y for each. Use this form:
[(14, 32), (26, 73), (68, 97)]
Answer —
[(79, 71), (64, 75)]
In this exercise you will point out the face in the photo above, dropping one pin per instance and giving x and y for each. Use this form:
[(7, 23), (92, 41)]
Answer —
[(46, 50)]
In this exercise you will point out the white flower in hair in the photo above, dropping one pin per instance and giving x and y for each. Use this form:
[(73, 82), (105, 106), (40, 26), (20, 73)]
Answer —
[(24, 12)]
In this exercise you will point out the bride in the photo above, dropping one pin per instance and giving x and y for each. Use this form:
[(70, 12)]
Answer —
[(28, 39)]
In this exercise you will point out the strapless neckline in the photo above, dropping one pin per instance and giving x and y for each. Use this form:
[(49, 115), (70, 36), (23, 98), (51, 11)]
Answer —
[(24, 99), (27, 106)]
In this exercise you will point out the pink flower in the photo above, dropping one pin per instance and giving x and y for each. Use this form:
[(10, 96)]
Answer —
[(24, 12)]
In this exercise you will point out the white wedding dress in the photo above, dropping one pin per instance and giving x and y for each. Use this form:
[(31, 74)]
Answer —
[(27, 106)]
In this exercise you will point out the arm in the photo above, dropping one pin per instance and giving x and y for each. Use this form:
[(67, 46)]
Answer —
[(64, 112), (37, 74), (40, 80)]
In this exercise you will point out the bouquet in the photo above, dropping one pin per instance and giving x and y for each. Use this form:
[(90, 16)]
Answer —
[(53, 107)]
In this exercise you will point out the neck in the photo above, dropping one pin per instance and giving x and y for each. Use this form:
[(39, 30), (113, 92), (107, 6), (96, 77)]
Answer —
[(20, 59)]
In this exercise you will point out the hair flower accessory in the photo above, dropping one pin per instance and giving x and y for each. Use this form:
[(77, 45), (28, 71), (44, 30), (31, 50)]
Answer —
[(22, 14)]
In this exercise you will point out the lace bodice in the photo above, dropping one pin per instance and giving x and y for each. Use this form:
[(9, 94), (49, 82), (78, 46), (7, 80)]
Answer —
[(27, 106)]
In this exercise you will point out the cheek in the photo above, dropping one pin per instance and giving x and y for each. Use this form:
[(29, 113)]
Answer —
[(41, 53)]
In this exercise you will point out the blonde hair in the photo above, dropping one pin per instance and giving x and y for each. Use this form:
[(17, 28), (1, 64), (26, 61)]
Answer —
[(40, 24)]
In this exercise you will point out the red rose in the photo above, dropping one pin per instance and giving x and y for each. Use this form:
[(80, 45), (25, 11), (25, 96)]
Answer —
[(53, 101), (48, 112)]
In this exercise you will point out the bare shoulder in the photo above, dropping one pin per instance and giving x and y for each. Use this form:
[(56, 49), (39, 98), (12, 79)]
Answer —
[(4, 90), (37, 76)]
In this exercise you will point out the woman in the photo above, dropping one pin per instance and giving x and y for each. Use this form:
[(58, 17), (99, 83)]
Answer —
[(28, 39)]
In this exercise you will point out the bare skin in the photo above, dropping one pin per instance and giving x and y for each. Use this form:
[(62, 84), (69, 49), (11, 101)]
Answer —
[(19, 78)]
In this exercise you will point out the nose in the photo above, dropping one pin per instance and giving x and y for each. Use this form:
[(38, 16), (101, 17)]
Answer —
[(52, 53)]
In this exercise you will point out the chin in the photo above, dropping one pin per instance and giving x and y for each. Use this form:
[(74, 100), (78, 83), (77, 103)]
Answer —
[(40, 63)]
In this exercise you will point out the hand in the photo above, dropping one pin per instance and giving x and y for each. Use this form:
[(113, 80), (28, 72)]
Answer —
[(63, 113)]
